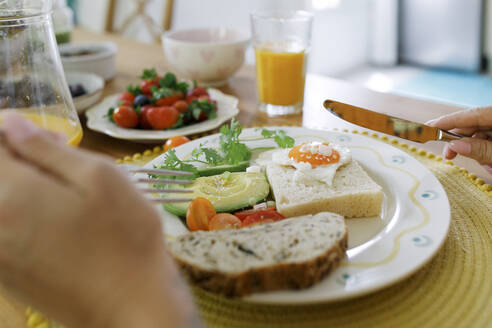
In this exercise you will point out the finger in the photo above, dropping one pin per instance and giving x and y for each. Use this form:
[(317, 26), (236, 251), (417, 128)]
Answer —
[(467, 132), (480, 135), (475, 117), (478, 149), (35, 146), (488, 168), (447, 153)]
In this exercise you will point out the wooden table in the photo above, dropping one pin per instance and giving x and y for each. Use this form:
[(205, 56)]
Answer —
[(133, 57)]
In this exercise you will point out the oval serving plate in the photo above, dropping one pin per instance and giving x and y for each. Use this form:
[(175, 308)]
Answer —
[(383, 250), (97, 121)]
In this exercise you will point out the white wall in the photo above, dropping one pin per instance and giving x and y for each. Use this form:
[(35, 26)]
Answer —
[(340, 30)]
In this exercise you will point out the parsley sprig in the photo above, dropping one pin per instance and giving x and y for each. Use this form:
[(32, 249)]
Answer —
[(231, 149)]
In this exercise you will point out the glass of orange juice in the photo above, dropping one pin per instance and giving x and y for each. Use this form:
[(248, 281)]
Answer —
[(281, 41), (32, 81)]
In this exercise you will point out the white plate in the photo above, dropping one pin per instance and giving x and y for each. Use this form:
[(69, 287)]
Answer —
[(92, 83), (382, 250), (96, 120)]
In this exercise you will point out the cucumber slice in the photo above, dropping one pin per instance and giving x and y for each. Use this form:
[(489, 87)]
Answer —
[(215, 170)]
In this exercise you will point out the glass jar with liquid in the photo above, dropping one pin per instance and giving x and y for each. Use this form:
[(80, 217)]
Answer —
[(32, 81)]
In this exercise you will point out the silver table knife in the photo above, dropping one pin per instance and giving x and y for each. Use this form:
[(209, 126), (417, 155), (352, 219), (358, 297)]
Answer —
[(388, 124)]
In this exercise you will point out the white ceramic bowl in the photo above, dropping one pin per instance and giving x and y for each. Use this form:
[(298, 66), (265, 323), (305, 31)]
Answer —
[(92, 83), (94, 57), (208, 55)]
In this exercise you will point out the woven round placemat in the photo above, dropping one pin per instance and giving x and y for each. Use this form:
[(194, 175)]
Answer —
[(453, 290)]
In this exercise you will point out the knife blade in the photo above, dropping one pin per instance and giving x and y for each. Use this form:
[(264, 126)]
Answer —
[(387, 124)]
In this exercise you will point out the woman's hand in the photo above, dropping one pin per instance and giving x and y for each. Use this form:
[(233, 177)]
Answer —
[(474, 123), (78, 241)]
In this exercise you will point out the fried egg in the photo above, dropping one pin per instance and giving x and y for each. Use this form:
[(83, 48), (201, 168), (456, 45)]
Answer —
[(313, 161)]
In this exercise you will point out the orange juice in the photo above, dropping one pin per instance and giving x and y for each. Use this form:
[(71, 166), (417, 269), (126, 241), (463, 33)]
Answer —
[(56, 124), (280, 73)]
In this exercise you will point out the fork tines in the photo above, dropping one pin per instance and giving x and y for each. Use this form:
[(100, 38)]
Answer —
[(137, 169), (164, 181)]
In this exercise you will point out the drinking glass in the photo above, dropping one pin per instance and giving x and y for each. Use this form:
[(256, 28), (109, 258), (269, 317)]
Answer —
[(282, 42), (32, 81)]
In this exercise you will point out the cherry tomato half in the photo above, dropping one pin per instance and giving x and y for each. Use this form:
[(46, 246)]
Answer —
[(190, 99), (224, 221), (175, 142), (181, 106), (143, 118), (262, 218), (199, 213), (125, 117), (198, 91), (146, 85), (127, 98), (161, 118), (169, 101)]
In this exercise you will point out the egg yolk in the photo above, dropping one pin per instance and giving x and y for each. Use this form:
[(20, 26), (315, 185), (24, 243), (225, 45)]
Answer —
[(315, 159)]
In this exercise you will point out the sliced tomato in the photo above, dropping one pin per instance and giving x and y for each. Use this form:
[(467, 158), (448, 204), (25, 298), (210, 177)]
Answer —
[(262, 217), (244, 214), (169, 101), (224, 221), (199, 213)]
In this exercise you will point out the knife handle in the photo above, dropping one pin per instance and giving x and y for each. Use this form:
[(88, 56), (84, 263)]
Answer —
[(448, 136)]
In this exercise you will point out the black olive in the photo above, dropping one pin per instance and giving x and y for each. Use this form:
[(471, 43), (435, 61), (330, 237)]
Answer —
[(141, 100), (77, 90)]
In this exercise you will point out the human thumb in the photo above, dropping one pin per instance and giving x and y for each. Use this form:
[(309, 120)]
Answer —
[(478, 149)]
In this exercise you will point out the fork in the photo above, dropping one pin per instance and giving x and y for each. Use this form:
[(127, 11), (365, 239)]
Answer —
[(132, 169)]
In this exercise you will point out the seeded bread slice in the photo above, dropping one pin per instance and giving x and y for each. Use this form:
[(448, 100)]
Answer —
[(352, 194), (289, 254)]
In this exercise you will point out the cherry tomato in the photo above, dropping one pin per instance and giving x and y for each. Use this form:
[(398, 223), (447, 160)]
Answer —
[(125, 117), (224, 221), (244, 214), (198, 91), (175, 142), (199, 213), (162, 117), (169, 101), (146, 85), (181, 106), (210, 100), (143, 118), (262, 217), (126, 98), (190, 99)]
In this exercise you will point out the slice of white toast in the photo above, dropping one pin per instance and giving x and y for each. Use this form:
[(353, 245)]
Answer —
[(289, 254), (352, 194)]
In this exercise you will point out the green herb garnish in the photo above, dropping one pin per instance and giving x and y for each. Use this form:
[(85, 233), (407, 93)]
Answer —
[(149, 74), (279, 136)]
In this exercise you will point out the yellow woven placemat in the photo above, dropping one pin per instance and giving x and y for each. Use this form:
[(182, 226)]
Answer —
[(453, 290)]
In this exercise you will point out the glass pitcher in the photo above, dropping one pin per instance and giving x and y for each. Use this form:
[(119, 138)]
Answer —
[(32, 81)]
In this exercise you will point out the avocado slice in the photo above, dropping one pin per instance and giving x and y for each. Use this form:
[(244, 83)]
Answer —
[(215, 170), (228, 192)]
